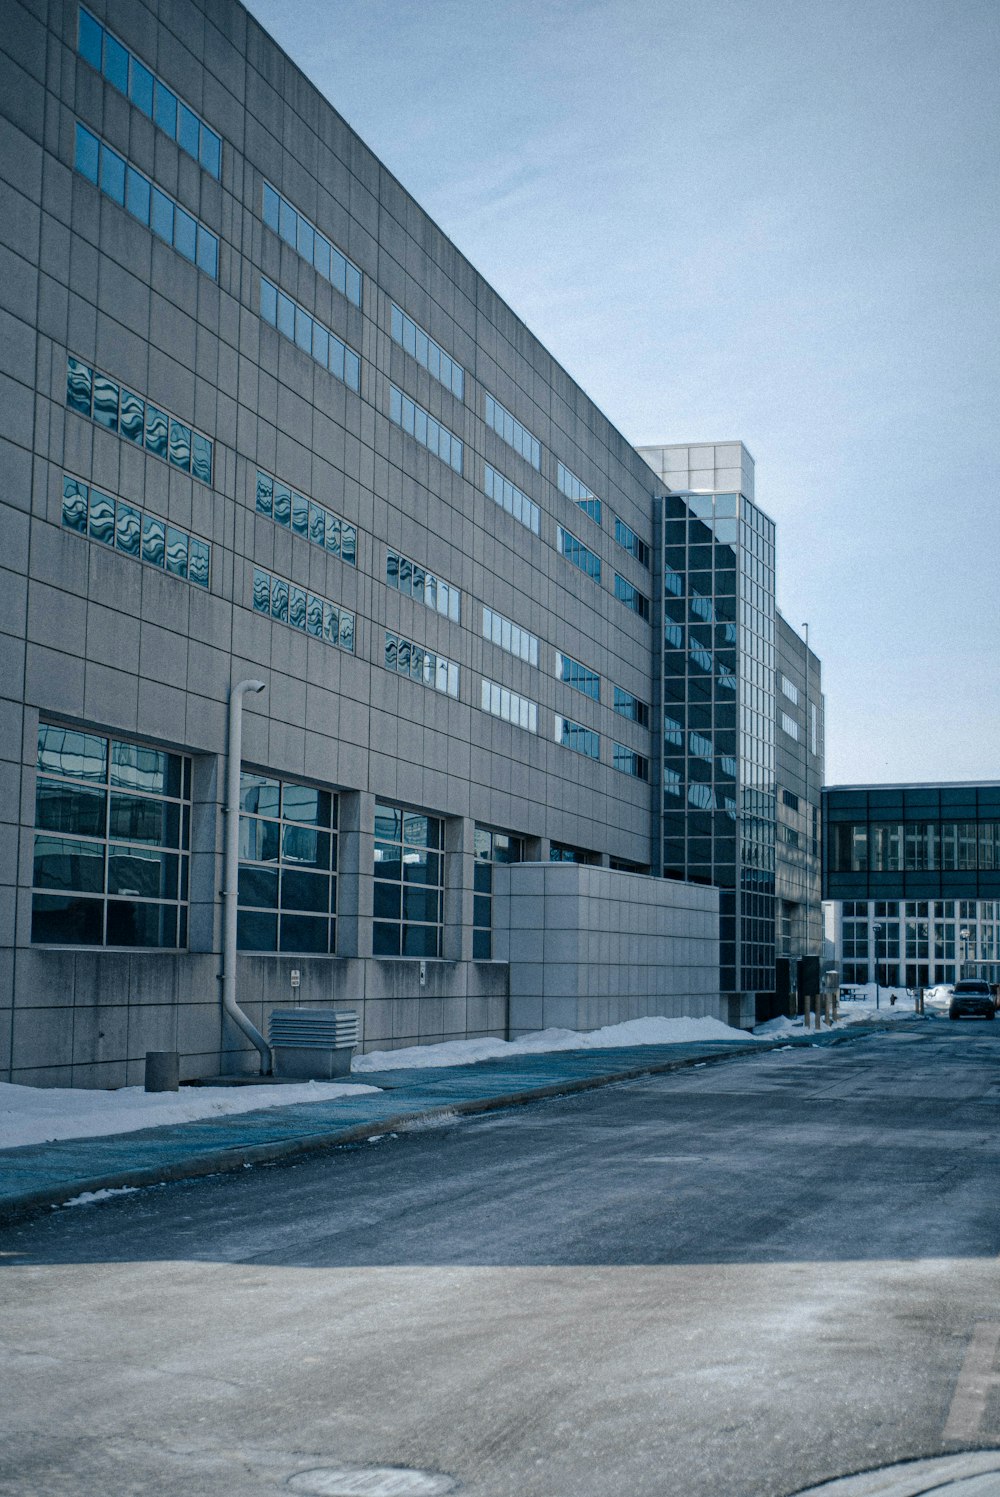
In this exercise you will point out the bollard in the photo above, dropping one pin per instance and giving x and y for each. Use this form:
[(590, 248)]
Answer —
[(162, 1070)]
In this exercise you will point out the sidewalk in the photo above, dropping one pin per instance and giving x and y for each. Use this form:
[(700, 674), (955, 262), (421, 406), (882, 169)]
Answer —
[(43, 1175)]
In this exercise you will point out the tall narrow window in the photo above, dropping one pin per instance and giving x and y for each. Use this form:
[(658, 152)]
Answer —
[(409, 882)]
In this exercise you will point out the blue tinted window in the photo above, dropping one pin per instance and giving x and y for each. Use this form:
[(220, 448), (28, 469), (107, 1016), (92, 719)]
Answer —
[(185, 234), (91, 37), (137, 195), (141, 89), (208, 253), (163, 216), (115, 63), (112, 175), (165, 109), (188, 131), (297, 230), (300, 326), (88, 150), (125, 72), (210, 153), (428, 353)]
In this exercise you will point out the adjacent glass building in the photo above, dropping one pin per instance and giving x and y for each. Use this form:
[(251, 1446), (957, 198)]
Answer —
[(913, 873)]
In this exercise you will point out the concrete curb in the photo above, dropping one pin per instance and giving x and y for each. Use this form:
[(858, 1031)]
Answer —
[(230, 1159)]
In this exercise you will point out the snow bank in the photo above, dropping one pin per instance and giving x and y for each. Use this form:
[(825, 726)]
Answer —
[(653, 1031), (37, 1115)]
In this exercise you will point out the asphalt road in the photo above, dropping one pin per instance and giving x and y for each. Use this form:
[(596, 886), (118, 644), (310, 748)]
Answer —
[(741, 1279)]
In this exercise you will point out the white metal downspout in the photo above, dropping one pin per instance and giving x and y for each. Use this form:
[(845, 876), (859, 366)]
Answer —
[(231, 873)]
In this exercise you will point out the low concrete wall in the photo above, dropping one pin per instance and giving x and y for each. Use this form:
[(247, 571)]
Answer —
[(590, 946), (87, 1018)]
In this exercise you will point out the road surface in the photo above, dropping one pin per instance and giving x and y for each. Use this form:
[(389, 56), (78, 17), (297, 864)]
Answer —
[(743, 1278)]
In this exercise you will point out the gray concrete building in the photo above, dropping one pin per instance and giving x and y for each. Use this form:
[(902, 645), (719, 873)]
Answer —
[(264, 423)]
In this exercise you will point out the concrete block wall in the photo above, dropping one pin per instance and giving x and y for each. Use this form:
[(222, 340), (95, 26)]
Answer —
[(591, 946)]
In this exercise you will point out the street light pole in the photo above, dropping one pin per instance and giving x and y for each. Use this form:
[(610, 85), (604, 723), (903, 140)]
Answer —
[(876, 932), (964, 938)]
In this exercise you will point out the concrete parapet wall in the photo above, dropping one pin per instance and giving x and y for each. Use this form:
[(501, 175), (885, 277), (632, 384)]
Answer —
[(590, 946)]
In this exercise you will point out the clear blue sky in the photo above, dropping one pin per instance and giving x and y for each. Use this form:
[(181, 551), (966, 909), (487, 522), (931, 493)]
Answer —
[(776, 220)]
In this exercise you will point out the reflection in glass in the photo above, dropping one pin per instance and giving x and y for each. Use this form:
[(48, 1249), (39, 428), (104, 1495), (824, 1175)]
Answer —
[(153, 540), (132, 415), (74, 507), (156, 431), (177, 548), (201, 457), (198, 561), (102, 518), (78, 386), (105, 402), (180, 445), (128, 529)]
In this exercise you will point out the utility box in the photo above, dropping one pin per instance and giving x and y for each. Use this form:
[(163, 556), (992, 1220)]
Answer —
[(312, 1044)]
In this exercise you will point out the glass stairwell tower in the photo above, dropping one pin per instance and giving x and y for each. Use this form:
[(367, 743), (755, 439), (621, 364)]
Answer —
[(718, 683)]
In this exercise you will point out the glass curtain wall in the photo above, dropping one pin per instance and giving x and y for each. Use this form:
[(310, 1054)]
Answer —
[(718, 719)]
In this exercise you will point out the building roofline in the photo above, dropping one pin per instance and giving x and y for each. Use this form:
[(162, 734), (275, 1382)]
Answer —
[(922, 785)]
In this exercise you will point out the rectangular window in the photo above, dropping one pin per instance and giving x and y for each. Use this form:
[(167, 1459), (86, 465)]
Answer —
[(580, 555), (118, 524), (409, 882), (790, 800), (789, 688), (510, 636), (407, 658), (580, 677), (422, 347), (112, 840), (112, 406), (288, 866), (301, 328), (626, 705), (560, 853), (790, 726), (574, 489), (427, 430), (500, 702), (490, 847), (511, 498), (133, 191), (629, 762), (287, 603), (630, 542), (632, 597), (416, 582), (574, 736), (331, 263), (331, 532), (123, 70), (513, 433)]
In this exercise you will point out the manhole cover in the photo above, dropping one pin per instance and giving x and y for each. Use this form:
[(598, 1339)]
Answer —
[(974, 1474), (373, 1481)]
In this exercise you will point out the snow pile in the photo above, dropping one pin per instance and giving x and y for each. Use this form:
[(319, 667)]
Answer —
[(653, 1031), (857, 1006), (37, 1115)]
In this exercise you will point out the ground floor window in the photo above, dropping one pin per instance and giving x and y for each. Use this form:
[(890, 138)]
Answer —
[(112, 839), (491, 847), (288, 866), (409, 882)]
